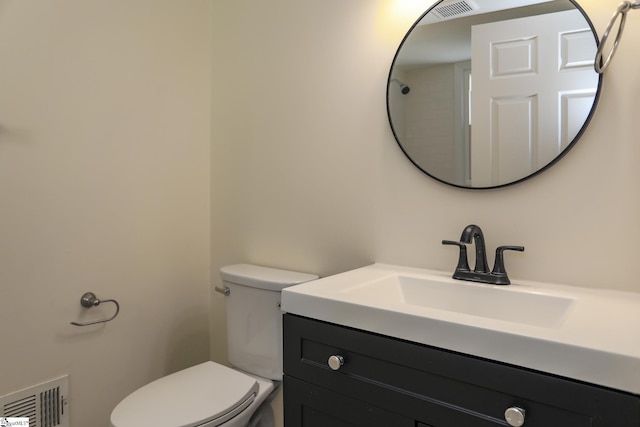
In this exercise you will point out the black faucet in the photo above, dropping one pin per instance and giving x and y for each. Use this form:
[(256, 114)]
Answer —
[(475, 232), (498, 276)]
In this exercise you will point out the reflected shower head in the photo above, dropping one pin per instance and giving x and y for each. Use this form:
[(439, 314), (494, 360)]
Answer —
[(403, 87)]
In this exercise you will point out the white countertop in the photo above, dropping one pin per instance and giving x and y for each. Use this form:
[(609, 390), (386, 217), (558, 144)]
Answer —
[(596, 341)]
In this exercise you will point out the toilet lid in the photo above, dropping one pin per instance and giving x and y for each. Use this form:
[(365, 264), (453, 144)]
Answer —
[(187, 398)]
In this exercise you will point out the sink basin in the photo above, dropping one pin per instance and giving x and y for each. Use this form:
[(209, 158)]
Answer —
[(500, 303)]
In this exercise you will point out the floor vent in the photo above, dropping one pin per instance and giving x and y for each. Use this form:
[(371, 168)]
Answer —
[(452, 9), (44, 404)]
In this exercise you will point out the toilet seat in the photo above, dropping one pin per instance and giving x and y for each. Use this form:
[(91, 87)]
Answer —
[(206, 393)]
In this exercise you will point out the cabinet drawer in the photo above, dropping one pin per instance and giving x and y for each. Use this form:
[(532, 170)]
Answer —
[(443, 388)]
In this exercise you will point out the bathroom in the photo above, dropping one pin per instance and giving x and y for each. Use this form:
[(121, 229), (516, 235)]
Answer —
[(145, 144)]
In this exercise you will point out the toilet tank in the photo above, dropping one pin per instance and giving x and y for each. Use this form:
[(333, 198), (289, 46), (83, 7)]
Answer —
[(254, 318)]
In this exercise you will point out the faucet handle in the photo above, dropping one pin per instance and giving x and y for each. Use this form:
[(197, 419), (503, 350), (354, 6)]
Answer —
[(498, 267), (463, 264)]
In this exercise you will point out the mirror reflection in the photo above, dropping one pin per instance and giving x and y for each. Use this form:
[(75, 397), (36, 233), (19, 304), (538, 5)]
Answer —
[(480, 96)]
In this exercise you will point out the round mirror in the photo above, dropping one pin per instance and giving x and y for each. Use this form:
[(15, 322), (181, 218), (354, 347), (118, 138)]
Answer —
[(484, 93)]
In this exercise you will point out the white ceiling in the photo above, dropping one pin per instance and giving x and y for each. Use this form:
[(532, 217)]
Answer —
[(437, 41), (478, 6)]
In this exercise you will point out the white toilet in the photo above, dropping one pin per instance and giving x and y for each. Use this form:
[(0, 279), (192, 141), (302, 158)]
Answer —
[(211, 394)]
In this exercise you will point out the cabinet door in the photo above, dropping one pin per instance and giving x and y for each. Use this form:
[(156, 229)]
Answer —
[(442, 388), (311, 406)]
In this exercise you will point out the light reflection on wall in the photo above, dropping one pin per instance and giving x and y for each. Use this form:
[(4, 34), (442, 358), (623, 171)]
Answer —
[(396, 17)]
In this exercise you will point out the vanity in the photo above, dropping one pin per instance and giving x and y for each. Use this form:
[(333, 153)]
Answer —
[(396, 346)]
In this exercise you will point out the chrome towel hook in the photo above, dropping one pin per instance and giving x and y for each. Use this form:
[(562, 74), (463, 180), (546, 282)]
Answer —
[(621, 12), (89, 300)]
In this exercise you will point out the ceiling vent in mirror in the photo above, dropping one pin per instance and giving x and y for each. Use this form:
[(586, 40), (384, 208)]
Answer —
[(452, 9)]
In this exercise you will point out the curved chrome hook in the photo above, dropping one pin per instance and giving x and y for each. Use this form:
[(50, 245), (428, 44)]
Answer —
[(89, 300), (621, 12)]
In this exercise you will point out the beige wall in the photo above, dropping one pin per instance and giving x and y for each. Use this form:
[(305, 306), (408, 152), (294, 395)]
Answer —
[(430, 120), (104, 187), (306, 174)]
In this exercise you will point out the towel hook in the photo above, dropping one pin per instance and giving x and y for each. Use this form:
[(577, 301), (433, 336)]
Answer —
[(89, 300), (621, 12)]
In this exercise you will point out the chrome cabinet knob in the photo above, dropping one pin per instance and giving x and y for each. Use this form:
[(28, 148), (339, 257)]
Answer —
[(514, 416), (335, 362)]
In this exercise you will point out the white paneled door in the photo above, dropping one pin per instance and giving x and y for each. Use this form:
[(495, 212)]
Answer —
[(533, 88)]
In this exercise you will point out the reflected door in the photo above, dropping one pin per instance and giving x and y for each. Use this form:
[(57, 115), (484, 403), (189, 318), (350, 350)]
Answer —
[(516, 89)]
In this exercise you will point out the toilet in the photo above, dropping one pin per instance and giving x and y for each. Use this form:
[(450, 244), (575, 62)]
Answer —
[(210, 394)]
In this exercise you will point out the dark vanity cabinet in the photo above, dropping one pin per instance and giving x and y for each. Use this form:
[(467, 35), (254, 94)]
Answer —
[(376, 380)]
